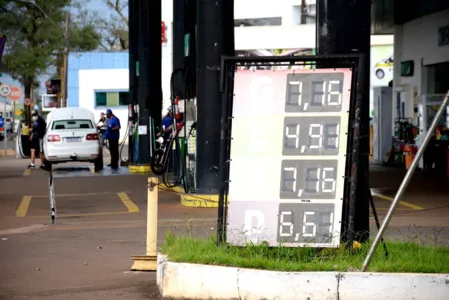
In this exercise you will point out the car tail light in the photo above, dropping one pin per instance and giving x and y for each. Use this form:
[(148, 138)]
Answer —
[(1, 129), (54, 138), (92, 137)]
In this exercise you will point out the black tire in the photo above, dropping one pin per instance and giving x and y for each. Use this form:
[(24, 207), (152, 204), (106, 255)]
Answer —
[(98, 163), (157, 162)]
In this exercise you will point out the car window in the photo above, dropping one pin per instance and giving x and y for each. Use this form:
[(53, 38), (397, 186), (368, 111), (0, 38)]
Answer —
[(72, 124)]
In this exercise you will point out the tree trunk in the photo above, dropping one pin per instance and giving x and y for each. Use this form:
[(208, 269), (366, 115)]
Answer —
[(27, 86)]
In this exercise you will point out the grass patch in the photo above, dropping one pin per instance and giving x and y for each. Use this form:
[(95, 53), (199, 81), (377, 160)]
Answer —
[(404, 257)]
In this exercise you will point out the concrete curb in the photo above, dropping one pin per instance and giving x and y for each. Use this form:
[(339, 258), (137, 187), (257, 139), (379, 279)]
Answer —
[(194, 200), (199, 200), (195, 281), (139, 169), (9, 152)]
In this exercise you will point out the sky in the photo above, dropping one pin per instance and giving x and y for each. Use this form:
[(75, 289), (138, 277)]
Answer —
[(98, 5)]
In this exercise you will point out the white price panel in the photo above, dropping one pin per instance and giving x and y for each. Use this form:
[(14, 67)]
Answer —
[(290, 192)]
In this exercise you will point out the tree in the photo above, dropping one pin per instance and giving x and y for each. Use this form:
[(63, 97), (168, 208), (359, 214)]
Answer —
[(35, 38), (119, 24), (113, 27)]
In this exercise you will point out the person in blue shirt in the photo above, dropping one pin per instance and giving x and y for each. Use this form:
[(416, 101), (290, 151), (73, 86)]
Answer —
[(113, 136), (167, 123), (2, 125)]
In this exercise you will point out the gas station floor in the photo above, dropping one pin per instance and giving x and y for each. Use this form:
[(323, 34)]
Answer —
[(101, 223), (423, 211)]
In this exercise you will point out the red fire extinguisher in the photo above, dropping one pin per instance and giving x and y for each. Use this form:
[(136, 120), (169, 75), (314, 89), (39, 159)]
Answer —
[(176, 111)]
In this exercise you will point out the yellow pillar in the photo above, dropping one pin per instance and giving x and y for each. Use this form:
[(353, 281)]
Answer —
[(148, 262)]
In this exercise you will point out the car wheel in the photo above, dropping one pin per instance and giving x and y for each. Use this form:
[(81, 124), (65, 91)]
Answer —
[(380, 74), (98, 163)]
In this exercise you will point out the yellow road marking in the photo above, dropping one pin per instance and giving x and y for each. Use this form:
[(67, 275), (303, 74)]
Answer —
[(386, 208), (27, 172), (23, 206), (130, 205), (132, 208), (404, 203), (85, 215), (75, 195)]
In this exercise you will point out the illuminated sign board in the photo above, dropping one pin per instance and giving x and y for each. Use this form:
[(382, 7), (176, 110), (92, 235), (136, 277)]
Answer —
[(288, 156)]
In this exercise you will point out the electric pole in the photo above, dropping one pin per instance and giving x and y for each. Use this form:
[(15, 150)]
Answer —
[(65, 70)]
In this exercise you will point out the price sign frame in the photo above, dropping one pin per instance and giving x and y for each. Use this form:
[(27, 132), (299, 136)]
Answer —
[(308, 147)]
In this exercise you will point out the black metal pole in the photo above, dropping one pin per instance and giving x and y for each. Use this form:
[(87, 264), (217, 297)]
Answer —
[(149, 70), (154, 99), (355, 157), (134, 17), (343, 27), (224, 141), (178, 47), (215, 29)]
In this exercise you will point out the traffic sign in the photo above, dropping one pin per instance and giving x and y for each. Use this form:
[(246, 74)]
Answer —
[(15, 93), (5, 90), (27, 102)]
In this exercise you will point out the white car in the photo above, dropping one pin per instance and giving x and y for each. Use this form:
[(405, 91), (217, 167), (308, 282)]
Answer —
[(72, 136)]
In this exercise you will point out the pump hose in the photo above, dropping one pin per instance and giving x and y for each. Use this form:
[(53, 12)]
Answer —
[(122, 145), (178, 180)]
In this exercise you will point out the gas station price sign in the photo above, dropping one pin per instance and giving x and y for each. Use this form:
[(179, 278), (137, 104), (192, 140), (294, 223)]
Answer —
[(288, 156)]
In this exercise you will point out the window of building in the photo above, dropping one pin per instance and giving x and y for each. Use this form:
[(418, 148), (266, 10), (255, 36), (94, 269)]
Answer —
[(305, 13), (258, 22), (111, 99)]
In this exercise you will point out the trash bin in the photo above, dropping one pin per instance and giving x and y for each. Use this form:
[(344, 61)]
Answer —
[(409, 152)]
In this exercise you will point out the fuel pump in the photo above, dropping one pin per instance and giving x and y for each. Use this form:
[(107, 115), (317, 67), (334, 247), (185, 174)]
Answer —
[(132, 120), (189, 134)]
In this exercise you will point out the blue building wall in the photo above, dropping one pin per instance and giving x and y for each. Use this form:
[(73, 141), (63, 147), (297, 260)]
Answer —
[(91, 61)]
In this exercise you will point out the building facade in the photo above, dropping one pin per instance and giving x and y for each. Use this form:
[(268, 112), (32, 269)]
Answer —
[(423, 45), (98, 81)]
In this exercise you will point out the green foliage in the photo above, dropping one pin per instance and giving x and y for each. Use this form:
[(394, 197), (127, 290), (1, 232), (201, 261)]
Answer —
[(84, 38), (35, 37), (403, 256)]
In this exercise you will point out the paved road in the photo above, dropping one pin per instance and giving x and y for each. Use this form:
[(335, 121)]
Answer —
[(10, 144), (101, 222)]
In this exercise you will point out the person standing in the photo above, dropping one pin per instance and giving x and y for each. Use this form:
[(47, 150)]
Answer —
[(113, 136), (3, 132), (167, 123), (102, 122), (36, 138), (102, 126)]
